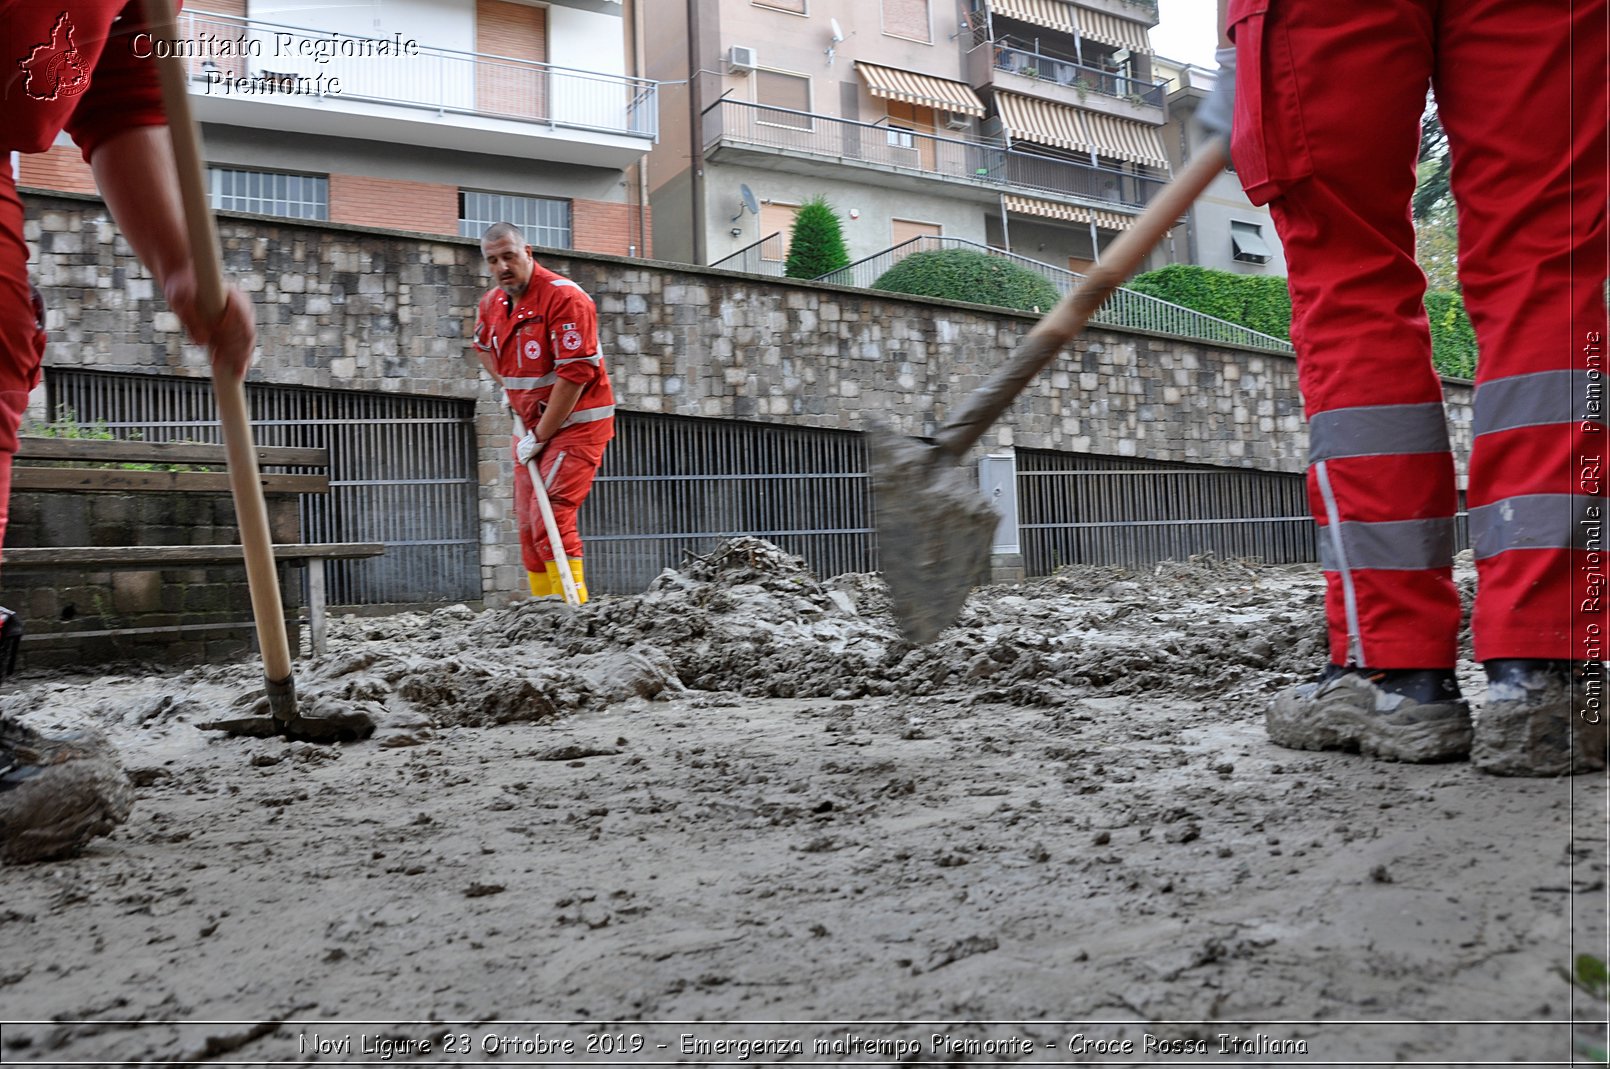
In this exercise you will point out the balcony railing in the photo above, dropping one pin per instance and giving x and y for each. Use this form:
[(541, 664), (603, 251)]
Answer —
[(1125, 308), (1082, 79), (982, 163), (252, 59)]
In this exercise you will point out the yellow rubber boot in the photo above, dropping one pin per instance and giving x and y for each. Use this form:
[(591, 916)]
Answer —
[(541, 587), (576, 577)]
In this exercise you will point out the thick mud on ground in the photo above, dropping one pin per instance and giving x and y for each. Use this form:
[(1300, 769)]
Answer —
[(737, 809)]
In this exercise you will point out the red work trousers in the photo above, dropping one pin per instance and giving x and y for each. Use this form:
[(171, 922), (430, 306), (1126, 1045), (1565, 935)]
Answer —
[(22, 342), (566, 465), (1328, 104)]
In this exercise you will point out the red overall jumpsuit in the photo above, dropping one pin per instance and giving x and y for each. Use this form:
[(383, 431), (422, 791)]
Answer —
[(550, 333), (71, 66), (1328, 102)]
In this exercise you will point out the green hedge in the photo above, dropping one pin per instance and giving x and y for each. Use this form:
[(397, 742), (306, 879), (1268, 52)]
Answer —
[(1258, 302), (965, 275), (1262, 303)]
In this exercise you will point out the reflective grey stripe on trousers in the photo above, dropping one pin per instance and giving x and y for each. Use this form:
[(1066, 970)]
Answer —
[(1537, 521), (1393, 545), (1539, 399), (1377, 430)]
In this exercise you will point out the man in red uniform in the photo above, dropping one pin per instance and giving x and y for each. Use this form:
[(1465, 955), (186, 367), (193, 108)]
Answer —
[(70, 64), (1327, 99), (536, 333)]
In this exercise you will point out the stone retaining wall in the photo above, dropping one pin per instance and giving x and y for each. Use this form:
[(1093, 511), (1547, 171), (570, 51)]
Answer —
[(361, 309)]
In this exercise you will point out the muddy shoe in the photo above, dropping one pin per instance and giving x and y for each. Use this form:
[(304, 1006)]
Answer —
[(1408, 714), (1536, 720), (56, 794)]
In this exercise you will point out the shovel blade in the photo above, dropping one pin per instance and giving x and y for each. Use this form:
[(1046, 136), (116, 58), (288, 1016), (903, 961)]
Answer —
[(934, 532)]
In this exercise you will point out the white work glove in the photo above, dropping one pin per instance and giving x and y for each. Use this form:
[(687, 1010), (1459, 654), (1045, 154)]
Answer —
[(503, 400), (1217, 112), (528, 447)]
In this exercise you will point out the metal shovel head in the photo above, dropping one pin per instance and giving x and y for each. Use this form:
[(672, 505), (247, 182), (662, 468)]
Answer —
[(934, 532)]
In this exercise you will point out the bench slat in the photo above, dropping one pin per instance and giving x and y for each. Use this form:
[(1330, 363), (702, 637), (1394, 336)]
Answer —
[(160, 556), (94, 450), (121, 479)]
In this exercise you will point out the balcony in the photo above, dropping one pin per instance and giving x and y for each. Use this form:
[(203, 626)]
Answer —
[(804, 142), (1073, 82), (247, 72)]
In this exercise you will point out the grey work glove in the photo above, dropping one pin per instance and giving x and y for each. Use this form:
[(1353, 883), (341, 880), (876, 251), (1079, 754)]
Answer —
[(1217, 113), (528, 447)]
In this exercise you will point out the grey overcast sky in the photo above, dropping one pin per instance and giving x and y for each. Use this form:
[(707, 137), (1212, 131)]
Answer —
[(1187, 31)]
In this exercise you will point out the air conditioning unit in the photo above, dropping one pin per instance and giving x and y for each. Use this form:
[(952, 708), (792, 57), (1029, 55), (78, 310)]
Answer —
[(955, 120), (740, 59)]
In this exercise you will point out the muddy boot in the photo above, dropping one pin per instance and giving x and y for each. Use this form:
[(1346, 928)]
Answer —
[(10, 641), (1408, 714), (56, 794), (1541, 718)]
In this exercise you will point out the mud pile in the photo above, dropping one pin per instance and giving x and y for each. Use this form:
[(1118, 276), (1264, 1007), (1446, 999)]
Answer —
[(750, 620)]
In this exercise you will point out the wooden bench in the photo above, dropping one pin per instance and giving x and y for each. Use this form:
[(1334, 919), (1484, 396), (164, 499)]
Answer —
[(64, 472)]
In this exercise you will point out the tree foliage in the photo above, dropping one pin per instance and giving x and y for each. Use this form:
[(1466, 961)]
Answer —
[(966, 275), (1262, 303), (816, 244)]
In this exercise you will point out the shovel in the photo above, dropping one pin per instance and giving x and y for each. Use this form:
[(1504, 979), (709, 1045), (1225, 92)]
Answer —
[(279, 686), (549, 524), (934, 527)]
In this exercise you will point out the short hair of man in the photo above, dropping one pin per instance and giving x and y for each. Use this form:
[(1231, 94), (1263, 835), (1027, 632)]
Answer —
[(499, 231)]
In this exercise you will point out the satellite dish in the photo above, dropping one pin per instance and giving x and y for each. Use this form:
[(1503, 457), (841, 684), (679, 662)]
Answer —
[(838, 34), (747, 200)]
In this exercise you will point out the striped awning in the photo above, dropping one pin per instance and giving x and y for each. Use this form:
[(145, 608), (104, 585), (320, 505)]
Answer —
[(1043, 122), (1125, 139), (1052, 14), (1112, 30), (1067, 213), (924, 89)]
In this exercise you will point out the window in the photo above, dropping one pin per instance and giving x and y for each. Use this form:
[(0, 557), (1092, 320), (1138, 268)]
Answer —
[(545, 220), (907, 18), (900, 137), (783, 91), (295, 196), (796, 6), (777, 219), (1246, 241)]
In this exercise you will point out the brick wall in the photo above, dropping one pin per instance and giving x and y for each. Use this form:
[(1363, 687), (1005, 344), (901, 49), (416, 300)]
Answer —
[(393, 203), (609, 229), (60, 167)]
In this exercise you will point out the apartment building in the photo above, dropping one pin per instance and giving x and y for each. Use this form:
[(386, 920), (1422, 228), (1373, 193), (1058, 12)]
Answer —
[(1028, 125), (1223, 229), (439, 116)]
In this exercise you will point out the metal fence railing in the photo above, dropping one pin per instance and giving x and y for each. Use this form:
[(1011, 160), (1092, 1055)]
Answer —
[(402, 470), (1085, 509), (674, 486), (763, 257), (1033, 63), (1125, 308), (269, 59), (984, 163)]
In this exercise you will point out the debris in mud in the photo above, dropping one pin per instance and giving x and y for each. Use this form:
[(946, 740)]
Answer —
[(59, 792)]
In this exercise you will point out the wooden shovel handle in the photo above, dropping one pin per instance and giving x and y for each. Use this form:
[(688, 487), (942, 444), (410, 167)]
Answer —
[(250, 510), (980, 409)]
